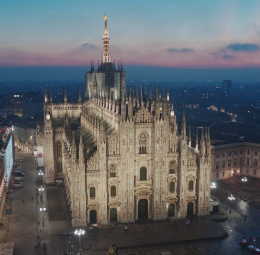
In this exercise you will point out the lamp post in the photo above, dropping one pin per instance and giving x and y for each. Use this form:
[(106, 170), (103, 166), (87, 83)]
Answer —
[(79, 233), (246, 217)]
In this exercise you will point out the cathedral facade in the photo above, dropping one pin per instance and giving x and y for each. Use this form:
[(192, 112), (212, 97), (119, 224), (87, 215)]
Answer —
[(120, 155)]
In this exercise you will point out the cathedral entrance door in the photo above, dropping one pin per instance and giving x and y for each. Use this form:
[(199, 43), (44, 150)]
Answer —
[(113, 215), (190, 209), (143, 209), (93, 217), (171, 210)]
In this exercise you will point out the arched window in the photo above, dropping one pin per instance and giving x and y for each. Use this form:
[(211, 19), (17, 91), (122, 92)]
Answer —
[(92, 192), (171, 210), (190, 185), (143, 173), (59, 158), (113, 191), (112, 171), (172, 167), (142, 143), (172, 186)]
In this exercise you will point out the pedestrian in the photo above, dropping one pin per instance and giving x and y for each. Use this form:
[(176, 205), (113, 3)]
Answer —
[(32, 198), (17, 219), (23, 200)]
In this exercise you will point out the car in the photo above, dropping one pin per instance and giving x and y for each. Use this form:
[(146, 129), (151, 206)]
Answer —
[(244, 179), (19, 174), (21, 159), (18, 185), (18, 178), (19, 169), (17, 182), (252, 248)]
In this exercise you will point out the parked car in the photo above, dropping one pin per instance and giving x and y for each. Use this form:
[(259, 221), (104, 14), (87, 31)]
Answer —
[(18, 169), (17, 182), (18, 185), (252, 248), (18, 178), (19, 174)]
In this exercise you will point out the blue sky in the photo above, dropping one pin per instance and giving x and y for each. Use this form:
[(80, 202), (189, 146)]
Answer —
[(174, 34)]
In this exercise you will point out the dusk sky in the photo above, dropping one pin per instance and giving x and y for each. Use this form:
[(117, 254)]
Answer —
[(177, 35)]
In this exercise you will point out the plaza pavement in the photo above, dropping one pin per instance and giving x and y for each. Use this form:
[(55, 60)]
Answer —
[(149, 235)]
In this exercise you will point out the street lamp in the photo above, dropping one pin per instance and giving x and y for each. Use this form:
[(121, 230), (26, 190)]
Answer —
[(41, 189), (231, 197), (213, 185), (43, 209), (244, 179), (79, 233), (246, 217)]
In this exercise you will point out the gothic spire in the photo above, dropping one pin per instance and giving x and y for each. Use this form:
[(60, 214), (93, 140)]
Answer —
[(183, 125), (106, 53), (80, 94), (64, 94), (50, 95), (45, 95), (189, 136), (130, 104), (197, 140)]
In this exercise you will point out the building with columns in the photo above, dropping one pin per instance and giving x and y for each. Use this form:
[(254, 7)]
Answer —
[(120, 154)]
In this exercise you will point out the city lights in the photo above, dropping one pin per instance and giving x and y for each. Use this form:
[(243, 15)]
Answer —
[(79, 233), (244, 179), (41, 189), (213, 185), (231, 197)]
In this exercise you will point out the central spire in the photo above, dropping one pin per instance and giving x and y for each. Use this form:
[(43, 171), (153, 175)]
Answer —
[(106, 54)]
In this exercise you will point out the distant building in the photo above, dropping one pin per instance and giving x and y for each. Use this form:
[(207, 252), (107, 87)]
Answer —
[(226, 92), (226, 87), (6, 163), (235, 159), (31, 109), (6, 110), (17, 101), (25, 135)]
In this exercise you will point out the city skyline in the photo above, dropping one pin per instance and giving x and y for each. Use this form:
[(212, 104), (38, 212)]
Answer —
[(176, 35)]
